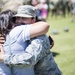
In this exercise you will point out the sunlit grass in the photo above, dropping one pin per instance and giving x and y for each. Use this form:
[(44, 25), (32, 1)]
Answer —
[(64, 43)]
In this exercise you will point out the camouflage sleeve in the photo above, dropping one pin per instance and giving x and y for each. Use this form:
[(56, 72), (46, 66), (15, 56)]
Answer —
[(38, 48)]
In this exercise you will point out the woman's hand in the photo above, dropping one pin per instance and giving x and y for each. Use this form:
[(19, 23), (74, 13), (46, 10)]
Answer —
[(1, 54)]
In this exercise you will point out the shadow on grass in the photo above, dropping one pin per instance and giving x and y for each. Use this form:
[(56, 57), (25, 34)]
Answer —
[(55, 54)]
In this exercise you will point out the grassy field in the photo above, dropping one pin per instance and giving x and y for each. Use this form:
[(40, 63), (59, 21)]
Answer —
[(64, 48)]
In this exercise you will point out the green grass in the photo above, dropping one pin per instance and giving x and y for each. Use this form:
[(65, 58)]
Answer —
[(64, 43)]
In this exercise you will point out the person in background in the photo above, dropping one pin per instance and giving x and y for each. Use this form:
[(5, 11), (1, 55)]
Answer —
[(44, 9), (73, 10)]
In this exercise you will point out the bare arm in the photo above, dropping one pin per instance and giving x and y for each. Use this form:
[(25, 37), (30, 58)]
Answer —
[(39, 28)]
